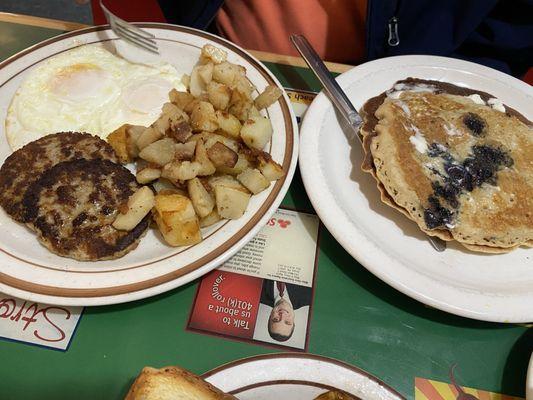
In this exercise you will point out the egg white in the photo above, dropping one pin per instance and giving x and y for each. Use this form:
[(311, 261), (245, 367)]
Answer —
[(87, 89)]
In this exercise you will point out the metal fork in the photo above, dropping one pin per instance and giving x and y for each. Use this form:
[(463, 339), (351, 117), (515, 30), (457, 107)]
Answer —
[(339, 99), (130, 33)]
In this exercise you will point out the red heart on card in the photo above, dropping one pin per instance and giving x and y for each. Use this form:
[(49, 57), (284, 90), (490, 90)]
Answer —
[(283, 223)]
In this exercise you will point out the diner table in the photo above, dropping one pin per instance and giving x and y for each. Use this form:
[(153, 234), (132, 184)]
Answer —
[(356, 318)]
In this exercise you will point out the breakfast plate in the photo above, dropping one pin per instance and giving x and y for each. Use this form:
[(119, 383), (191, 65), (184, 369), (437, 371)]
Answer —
[(496, 287), (296, 376), (29, 271)]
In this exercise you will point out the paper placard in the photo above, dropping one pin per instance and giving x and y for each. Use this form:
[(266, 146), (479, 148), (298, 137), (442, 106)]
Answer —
[(244, 298), (39, 324)]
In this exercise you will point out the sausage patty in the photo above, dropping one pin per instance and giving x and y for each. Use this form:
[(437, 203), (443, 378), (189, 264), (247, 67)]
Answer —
[(72, 207), (26, 165)]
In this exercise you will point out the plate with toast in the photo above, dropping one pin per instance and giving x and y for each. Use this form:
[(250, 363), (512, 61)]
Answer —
[(265, 377)]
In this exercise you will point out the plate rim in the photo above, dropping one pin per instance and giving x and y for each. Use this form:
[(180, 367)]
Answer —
[(306, 356), (203, 264), (311, 171)]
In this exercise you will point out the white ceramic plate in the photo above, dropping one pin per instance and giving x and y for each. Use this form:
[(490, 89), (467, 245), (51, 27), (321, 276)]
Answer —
[(529, 380), (296, 377), (486, 287), (29, 271)]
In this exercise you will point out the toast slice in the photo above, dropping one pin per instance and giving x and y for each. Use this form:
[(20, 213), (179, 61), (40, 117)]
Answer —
[(173, 383)]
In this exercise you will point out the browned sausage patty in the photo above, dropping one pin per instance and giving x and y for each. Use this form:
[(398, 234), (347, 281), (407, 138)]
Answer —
[(73, 205), (26, 165)]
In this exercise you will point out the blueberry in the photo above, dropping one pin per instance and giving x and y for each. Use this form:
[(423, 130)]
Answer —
[(474, 123)]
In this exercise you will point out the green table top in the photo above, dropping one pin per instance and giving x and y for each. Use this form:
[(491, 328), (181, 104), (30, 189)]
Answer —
[(356, 318)]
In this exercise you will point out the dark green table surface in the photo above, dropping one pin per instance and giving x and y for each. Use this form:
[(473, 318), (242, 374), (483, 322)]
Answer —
[(356, 318)]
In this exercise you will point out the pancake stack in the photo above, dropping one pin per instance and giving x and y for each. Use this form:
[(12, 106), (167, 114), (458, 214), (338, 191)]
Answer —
[(454, 160)]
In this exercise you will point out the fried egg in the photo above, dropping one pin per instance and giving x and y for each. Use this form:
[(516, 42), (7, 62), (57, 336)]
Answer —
[(88, 89)]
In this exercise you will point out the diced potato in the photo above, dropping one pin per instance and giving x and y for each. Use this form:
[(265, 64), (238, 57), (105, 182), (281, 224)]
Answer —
[(196, 84), (270, 169), (118, 140), (139, 205), (200, 157), (202, 200), (219, 95), (229, 123), (253, 112), (231, 203), (269, 96), (253, 180), (184, 151), (147, 175), (203, 117), (150, 135), (170, 108), (256, 132), (180, 99), (227, 72), (210, 219), (177, 220), (186, 80), (163, 185), (240, 166), (180, 131), (242, 84), (205, 72), (213, 138), (227, 181), (213, 54), (240, 104), (191, 106), (162, 124), (180, 170), (133, 132), (222, 155), (160, 152)]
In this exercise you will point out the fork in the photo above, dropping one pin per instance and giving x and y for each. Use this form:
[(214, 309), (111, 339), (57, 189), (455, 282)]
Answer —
[(129, 32), (339, 99)]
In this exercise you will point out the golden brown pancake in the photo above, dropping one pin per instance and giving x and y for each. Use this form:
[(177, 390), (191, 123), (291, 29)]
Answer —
[(461, 167)]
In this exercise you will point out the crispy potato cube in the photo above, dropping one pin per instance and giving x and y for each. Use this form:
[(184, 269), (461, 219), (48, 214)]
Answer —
[(147, 175), (226, 72), (240, 166), (240, 104), (180, 170), (180, 99), (269, 96), (160, 152), (150, 135), (202, 200), (210, 219), (139, 205), (133, 132), (213, 54), (201, 157), (229, 123), (203, 117), (256, 132), (218, 94), (253, 112), (196, 84), (253, 180), (176, 219), (184, 151), (180, 131), (222, 155), (205, 72), (270, 169), (118, 141), (170, 109), (227, 181), (231, 203), (242, 84), (213, 138), (163, 185), (186, 80)]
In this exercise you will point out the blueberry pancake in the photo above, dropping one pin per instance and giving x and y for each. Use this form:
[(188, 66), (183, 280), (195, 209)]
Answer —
[(72, 207), (456, 161), (25, 166)]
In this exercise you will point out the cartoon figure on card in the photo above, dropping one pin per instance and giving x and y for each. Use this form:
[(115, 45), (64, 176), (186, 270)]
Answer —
[(284, 298)]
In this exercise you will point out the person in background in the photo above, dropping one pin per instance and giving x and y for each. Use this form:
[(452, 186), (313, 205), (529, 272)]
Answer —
[(284, 298), (496, 33)]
